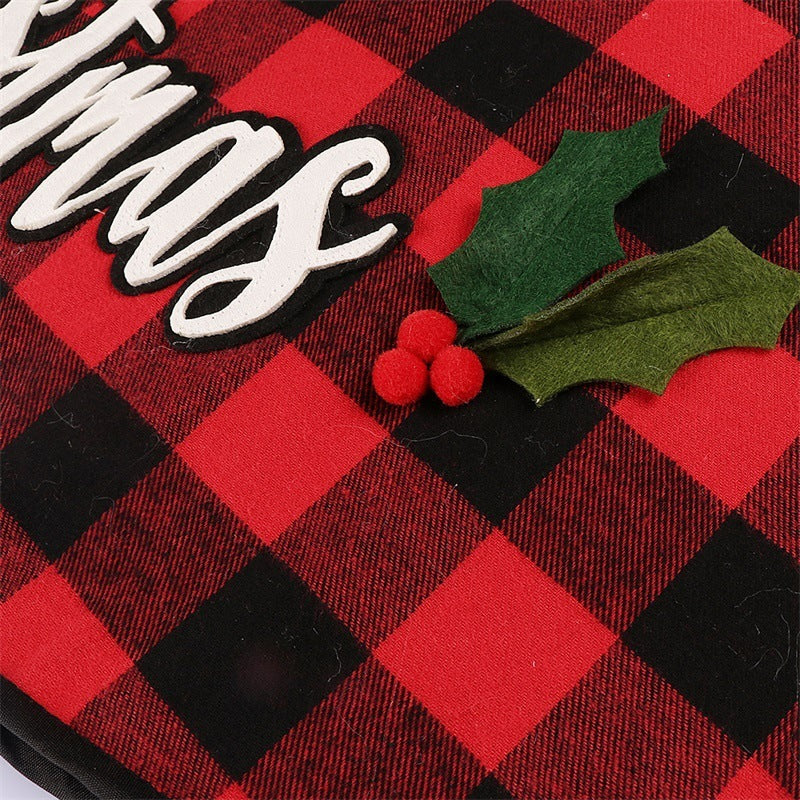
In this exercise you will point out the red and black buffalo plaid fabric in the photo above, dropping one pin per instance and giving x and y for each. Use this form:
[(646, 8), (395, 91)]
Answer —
[(239, 574)]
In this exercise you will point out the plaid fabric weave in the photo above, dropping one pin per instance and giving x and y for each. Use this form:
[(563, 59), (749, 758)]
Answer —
[(240, 575)]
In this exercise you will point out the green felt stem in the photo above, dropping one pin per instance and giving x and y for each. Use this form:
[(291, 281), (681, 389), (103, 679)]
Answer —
[(538, 237), (640, 323)]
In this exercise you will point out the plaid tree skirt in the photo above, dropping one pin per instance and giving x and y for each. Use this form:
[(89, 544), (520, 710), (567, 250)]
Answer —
[(239, 574)]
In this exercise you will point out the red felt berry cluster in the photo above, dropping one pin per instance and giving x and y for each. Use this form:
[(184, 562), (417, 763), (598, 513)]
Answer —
[(425, 356)]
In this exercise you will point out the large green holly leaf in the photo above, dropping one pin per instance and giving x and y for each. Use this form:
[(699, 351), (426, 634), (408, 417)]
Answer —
[(538, 237), (640, 323)]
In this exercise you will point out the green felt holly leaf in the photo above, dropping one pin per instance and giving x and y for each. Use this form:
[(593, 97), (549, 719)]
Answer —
[(538, 237), (638, 324)]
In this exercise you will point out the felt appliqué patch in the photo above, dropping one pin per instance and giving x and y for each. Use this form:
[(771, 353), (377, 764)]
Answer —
[(181, 196), (538, 237), (241, 575), (641, 322)]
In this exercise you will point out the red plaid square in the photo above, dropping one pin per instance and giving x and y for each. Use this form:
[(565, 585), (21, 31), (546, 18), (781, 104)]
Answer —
[(439, 142), (622, 733), (227, 39), (92, 9), (758, 113), (494, 648), (401, 32), (280, 442), (319, 80), (591, 20), (71, 291), (54, 649), (725, 418), (198, 382), (772, 505), (233, 792), (370, 738), (149, 562), (26, 388), (17, 260), (753, 782), (450, 218), (614, 523), (182, 11), (778, 752), (698, 52), (372, 547), (123, 722), (21, 559)]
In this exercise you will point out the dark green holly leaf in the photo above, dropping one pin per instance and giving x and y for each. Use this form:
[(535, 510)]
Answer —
[(538, 237), (640, 323)]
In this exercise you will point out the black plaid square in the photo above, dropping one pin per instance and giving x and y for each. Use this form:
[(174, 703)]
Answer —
[(256, 674), (495, 449), (724, 632), (315, 8), (70, 465), (500, 63), (251, 662), (710, 181)]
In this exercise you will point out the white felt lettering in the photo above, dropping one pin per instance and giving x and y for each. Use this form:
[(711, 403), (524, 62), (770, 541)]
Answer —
[(121, 113), (302, 204), (252, 151), (99, 117), (38, 69)]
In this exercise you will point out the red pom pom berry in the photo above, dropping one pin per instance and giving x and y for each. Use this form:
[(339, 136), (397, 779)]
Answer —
[(399, 377), (425, 333), (456, 375)]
